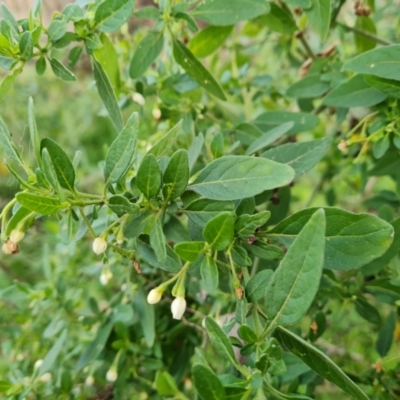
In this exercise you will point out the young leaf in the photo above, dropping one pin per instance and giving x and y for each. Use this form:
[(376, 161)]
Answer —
[(146, 53), (189, 251), (57, 29), (26, 45), (354, 93), (148, 177), (107, 95), (220, 340), (64, 169), (219, 231), (66, 228), (157, 241), (176, 175), (196, 70), (269, 137), (255, 288), (8, 82), (8, 145), (352, 240), (112, 14), (163, 146), (121, 205), (319, 362), (247, 334), (17, 217), (319, 16), (245, 225), (237, 177), (383, 62), (222, 13), (209, 273), (61, 71), (35, 142), (49, 171), (207, 383), (295, 282), (209, 40), (300, 156), (122, 151), (39, 204)]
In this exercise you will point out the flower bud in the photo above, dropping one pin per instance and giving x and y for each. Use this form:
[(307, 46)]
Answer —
[(38, 364), (99, 245), (138, 98), (154, 296), (45, 377), (89, 381), (178, 307), (156, 113), (112, 375), (105, 276), (16, 236)]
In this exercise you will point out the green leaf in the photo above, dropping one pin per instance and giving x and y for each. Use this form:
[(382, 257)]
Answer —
[(278, 20), (107, 95), (8, 82), (308, 88), (8, 146), (207, 383), (121, 153), (50, 172), (385, 336), (191, 23), (189, 251), (319, 362), (64, 169), (217, 145), (222, 13), (364, 24), (302, 121), (6, 14), (66, 228), (295, 282), (201, 211), (26, 45), (164, 145), (148, 177), (112, 14), (157, 241), (265, 251), (319, 16), (165, 384), (351, 240), (39, 204), (121, 205), (219, 231), (247, 334), (383, 62), (146, 53), (53, 353), (137, 224), (61, 71), (354, 93), (34, 135), (57, 29), (220, 340), (255, 288), (196, 70), (269, 137), (300, 156), (209, 40), (176, 175), (41, 66), (388, 86), (146, 318), (17, 217), (209, 273), (245, 225), (237, 177), (172, 264)]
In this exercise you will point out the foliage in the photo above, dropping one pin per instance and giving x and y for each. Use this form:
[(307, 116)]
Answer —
[(195, 188)]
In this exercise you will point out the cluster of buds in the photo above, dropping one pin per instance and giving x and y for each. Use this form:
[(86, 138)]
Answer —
[(178, 306), (10, 246), (361, 10)]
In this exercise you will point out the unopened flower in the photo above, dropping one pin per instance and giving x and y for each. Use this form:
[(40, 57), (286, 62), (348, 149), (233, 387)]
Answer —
[(89, 381), (99, 245), (138, 98), (112, 375), (105, 276), (45, 377), (156, 113), (16, 236), (342, 146), (38, 364), (178, 307), (154, 296)]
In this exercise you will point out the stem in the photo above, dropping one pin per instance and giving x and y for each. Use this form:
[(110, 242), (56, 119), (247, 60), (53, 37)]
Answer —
[(4, 218), (275, 392), (365, 34), (306, 46), (87, 222)]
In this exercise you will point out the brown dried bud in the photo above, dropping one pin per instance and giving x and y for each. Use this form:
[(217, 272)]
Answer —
[(239, 292), (367, 11), (136, 265), (251, 240), (10, 247)]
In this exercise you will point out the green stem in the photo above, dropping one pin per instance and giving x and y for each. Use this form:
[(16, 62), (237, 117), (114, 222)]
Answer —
[(4, 218), (274, 391), (365, 34), (306, 46), (87, 222)]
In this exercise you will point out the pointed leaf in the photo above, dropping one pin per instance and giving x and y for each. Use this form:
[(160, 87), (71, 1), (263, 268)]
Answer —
[(209, 273), (207, 383), (163, 146), (39, 204), (176, 175), (112, 14), (157, 241), (61, 70), (148, 177), (219, 231)]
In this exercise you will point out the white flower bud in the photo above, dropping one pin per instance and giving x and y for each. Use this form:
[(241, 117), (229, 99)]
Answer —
[(38, 364), (112, 375), (89, 381), (45, 377), (105, 276), (16, 236), (138, 98), (156, 113), (154, 296), (178, 307), (99, 245)]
